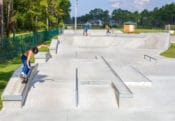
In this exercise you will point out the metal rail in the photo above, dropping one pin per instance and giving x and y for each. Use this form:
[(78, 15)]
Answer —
[(150, 58), (76, 89)]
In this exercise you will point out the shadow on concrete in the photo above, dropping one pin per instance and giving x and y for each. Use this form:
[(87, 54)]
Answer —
[(38, 78)]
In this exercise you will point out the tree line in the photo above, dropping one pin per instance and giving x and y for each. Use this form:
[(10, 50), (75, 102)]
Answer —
[(32, 15), (157, 18)]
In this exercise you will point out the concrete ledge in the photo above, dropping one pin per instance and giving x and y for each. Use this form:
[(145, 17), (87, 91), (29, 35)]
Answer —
[(104, 82), (42, 57), (54, 46), (122, 92), (131, 76), (122, 97), (120, 88), (16, 92), (142, 35)]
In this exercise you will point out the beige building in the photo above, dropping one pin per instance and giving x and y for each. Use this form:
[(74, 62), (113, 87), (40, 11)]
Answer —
[(129, 27)]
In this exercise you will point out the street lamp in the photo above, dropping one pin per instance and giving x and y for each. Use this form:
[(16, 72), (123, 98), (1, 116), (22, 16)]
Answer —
[(76, 6)]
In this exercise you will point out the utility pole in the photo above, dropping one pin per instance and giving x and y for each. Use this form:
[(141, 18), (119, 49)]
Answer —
[(1, 23), (76, 7)]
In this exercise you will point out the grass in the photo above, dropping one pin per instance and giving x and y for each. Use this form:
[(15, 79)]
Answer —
[(170, 53), (138, 30), (149, 30), (19, 34), (45, 43), (24, 33)]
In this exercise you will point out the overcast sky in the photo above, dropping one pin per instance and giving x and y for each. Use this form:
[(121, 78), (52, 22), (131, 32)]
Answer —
[(84, 6)]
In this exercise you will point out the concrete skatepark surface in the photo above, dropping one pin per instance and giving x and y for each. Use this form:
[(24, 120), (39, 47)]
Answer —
[(52, 96)]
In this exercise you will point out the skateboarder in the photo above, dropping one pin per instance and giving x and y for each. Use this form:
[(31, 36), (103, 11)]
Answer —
[(26, 59), (86, 27), (107, 29)]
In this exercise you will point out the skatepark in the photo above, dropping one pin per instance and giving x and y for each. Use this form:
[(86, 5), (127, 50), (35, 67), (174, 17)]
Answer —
[(102, 77)]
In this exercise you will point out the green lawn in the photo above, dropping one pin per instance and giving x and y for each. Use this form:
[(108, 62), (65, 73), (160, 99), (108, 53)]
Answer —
[(149, 30), (170, 53), (24, 33), (21, 33), (45, 49), (144, 30)]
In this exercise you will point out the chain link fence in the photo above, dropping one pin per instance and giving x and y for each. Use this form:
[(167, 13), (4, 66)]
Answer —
[(17, 45)]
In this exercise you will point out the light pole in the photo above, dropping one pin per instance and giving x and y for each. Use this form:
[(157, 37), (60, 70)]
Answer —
[(76, 6)]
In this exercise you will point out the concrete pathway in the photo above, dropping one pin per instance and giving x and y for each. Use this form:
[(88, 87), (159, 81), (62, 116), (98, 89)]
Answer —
[(172, 39), (53, 95)]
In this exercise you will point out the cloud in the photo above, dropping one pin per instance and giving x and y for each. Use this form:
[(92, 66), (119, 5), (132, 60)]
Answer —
[(115, 3), (141, 4), (130, 4)]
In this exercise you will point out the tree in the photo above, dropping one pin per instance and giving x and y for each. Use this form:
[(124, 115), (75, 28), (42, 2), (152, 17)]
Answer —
[(95, 14), (1, 23), (9, 13), (64, 12), (33, 15), (99, 14), (106, 17), (121, 16)]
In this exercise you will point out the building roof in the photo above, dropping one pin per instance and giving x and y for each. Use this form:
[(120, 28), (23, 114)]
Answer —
[(130, 23)]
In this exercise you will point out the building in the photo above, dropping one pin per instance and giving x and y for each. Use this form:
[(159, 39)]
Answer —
[(129, 27)]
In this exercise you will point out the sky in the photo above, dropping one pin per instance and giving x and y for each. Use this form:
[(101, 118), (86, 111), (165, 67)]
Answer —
[(84, 6)]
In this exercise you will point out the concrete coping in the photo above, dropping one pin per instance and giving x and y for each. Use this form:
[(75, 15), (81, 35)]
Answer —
[(16, 92), (54, 46), (141, 35), (42, 57)]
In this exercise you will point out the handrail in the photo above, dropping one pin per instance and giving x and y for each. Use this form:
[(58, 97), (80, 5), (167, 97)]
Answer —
[(150, 58)]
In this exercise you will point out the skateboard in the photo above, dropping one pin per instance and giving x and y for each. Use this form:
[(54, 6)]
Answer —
[(24, 80)]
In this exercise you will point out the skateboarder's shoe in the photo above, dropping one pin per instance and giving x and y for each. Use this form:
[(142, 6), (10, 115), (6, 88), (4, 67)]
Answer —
[(23, 76)]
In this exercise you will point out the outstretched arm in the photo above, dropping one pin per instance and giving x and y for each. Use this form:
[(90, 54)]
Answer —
[(43, 46)]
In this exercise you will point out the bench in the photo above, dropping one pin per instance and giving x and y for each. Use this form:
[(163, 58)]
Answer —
[(15, 93), (54, 46), (120, 88), (42, 57)]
